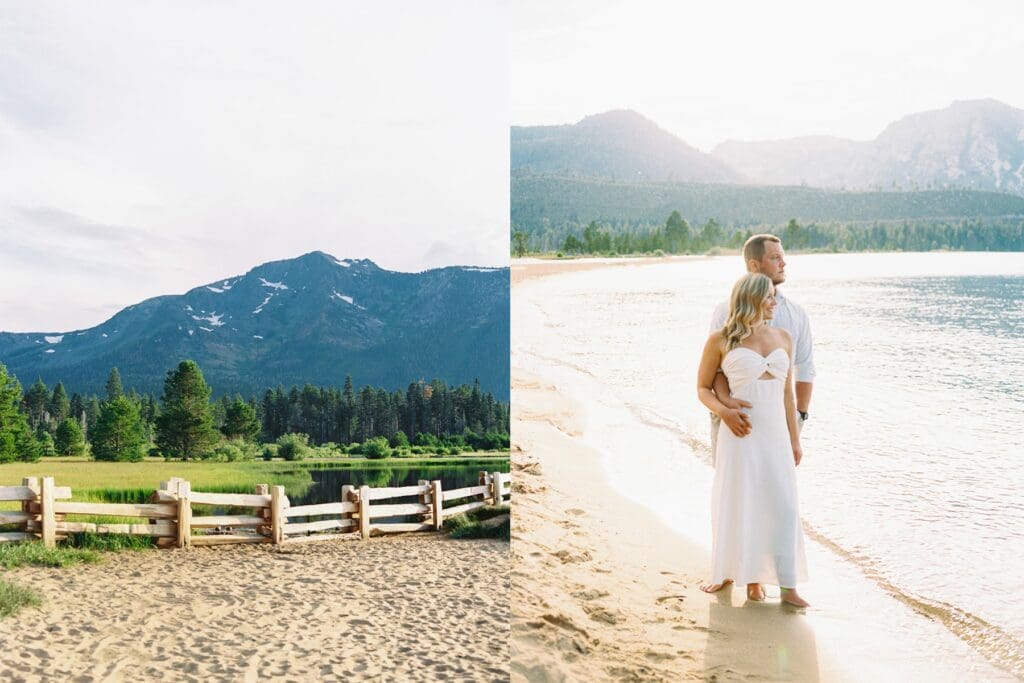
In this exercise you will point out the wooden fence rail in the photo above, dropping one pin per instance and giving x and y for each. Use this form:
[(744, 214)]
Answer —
[(264, 516)]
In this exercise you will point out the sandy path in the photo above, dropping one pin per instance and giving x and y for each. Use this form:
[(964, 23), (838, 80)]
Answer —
[(410, 608)]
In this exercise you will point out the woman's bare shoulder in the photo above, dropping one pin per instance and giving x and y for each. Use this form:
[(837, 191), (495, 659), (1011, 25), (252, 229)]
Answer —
[(715, 340)]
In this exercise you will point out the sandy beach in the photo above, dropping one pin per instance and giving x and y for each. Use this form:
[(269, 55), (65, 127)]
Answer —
[(603, 589), (410, 608)]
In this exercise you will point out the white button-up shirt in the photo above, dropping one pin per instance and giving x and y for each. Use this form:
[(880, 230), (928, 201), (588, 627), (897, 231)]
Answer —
[(790, 317)]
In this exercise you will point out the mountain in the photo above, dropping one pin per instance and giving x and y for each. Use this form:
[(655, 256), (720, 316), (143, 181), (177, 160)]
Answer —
[(977, 144), (618, 145), (309, 319)]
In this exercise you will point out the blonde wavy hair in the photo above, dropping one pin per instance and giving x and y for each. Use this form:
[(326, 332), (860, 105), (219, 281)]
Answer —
[(746, 307)]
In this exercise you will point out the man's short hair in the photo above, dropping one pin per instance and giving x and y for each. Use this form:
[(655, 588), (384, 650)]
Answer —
[(753, 248)]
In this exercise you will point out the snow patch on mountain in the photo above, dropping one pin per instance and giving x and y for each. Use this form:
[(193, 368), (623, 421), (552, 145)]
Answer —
[(478, 269), (343, 297), (275, 285), (205, 329), (346, 263), (260, 307), (213, 319), (257, 336), (55, 339), (50, 351)]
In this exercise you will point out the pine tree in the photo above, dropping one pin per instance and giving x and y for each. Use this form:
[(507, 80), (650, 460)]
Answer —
[(16, 439), (37, 403), (77, 406), (45, 441), (114, 389), (348, 410), (69, 440), (92, 416), (118, 432), (60, 406), (185, 427), (240, 421)]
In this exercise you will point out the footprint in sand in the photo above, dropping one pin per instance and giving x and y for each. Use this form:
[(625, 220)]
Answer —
[(603, 614), (568, 557), (562, 621), (664, 598), (575, 511)]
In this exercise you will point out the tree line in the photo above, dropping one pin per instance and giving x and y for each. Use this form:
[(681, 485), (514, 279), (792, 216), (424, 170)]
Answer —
[(677, 236), (184, 423)]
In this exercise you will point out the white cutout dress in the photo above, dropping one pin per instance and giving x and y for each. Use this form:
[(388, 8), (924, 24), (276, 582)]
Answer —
[(755, 515)]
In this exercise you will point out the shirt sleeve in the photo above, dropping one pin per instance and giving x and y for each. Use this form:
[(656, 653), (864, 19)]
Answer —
[(718, 317), (803, 354)]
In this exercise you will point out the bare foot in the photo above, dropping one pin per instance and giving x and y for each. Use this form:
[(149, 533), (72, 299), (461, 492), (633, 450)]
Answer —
[(755, 592), (715, 587), (791, 597)]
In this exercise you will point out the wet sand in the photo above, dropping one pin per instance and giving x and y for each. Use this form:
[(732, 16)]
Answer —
[(410, 608)]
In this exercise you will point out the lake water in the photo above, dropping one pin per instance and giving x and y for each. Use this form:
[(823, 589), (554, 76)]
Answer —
[(914, 455), (329, 478)]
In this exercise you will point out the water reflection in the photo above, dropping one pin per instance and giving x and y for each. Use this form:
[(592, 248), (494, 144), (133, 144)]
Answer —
[(327, 483)]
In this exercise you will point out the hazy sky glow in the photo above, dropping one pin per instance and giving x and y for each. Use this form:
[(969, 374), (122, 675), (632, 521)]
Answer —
[(151, 147), (710, 72)]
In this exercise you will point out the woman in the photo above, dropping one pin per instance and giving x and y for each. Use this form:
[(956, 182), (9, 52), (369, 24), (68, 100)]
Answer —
[(755, 518)]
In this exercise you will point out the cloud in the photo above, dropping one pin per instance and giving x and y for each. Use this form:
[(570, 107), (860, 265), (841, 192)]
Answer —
[(149, 148)]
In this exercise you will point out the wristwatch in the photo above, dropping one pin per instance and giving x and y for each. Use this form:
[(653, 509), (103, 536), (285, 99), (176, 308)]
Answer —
[(803, 415)]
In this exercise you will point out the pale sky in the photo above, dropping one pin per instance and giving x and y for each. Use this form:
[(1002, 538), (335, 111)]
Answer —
[(150, 147), (713, 71)]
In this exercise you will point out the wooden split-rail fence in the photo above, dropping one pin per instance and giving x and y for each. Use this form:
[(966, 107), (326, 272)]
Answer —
[(264, 516)]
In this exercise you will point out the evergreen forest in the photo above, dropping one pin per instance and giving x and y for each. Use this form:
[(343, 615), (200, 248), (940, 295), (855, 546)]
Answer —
[(184, 423)]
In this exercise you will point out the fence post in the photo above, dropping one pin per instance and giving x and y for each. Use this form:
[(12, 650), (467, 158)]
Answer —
[(32, 483), (264, 512), (364, 512), (48, 520), (184, 491), (484, 480), (347, 493), (424, 499), (496, 485), (437, 503), (277, 514)]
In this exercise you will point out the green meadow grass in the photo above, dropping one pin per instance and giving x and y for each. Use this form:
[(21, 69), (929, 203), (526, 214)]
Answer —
[(92, 481)]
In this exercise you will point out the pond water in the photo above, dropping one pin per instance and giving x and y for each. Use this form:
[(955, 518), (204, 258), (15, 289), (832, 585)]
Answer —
[(328, 478)]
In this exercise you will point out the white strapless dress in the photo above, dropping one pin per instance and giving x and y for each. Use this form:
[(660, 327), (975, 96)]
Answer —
[(755, 516)]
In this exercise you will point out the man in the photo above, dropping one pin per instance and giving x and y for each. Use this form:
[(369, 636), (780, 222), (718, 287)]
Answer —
[(764, 254)]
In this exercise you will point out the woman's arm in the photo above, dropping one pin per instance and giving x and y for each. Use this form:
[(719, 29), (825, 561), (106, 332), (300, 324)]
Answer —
[(790, 400), (710, 361)]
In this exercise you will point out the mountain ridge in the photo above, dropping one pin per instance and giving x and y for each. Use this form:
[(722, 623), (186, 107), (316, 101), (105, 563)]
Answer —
[(313, 318), (620, 144), (970, 144)]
